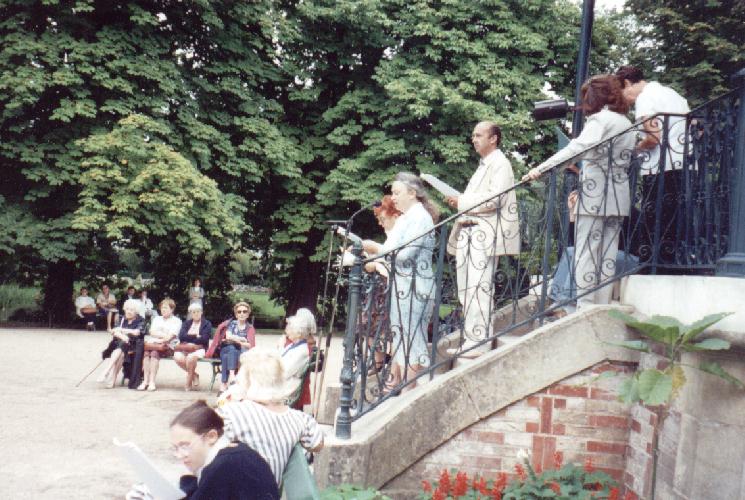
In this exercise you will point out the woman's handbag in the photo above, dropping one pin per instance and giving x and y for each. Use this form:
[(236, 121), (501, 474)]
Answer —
[(157, 346), (187, 348)]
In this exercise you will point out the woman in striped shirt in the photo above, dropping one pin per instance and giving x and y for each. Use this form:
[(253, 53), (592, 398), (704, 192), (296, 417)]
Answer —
[(262, 420)]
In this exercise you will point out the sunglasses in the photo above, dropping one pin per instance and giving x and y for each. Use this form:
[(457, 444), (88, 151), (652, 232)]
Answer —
[(242, 311)]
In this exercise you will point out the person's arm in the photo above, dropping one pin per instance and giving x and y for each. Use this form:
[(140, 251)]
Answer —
[(500, 180), (652, 137), (591, 135), (312, 437), (205, 330), (372, 247), (183, 334)]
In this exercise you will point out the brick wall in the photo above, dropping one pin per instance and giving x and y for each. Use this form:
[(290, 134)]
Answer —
[(578, 418)]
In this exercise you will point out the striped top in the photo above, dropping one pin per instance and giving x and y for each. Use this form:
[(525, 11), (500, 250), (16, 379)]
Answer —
[(272, 434)]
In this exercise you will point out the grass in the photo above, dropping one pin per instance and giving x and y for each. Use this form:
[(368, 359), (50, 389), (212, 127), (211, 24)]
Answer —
[(14, 297)]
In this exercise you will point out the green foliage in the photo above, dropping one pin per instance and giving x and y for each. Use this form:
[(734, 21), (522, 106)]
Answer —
[(655, 387), (245, 268), (14, 298), (352, 492), (695, 46)]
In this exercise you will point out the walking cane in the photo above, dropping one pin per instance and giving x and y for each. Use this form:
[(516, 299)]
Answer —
[(318, 385), (90, 372)]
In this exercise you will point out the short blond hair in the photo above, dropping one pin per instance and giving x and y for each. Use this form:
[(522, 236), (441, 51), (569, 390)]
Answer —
[(263, 366), (168, 302), (242, 304), (303, 322), (132, 305)]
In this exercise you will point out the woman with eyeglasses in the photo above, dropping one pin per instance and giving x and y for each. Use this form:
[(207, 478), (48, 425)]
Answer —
[(221, 469), (240, 336)]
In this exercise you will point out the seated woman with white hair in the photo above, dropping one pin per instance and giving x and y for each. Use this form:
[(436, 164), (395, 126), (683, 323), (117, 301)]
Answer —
[(125, 335), (296, 350), (193, 338), (262, 420)]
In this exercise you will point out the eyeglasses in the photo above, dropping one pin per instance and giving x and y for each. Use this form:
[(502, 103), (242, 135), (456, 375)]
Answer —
[(242, 311), (182, 449)]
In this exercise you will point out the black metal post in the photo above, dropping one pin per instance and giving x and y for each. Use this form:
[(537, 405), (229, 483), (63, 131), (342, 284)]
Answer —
[(438, 296), (733, 264), (548, 240), (583, 60), (344, 420)]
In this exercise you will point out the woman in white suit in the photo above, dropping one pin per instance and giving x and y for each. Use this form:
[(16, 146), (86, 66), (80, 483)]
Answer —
[(604, 147)]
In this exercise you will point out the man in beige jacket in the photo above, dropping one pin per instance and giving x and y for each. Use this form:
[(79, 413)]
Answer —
[(489, 228)]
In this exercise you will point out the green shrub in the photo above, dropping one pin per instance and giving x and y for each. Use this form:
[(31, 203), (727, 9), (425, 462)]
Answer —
[(14, 298), (352, 492)]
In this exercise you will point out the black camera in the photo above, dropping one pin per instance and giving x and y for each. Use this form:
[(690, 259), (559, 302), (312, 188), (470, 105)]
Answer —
[(551, 109)]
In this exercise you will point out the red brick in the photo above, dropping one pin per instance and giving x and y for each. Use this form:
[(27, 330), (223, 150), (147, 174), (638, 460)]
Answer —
[(489, 437), (546, 411), (560, 403), (480, 462), (602, 394), (636, 426), (653, 420), (537, 451), (549, 448), (649, 448), (531, 427), (602, 447), (558, 429), (605, 367), (662, 364), (576, 391), (630, 495), (609, 421), (534, 401), (616, 474)]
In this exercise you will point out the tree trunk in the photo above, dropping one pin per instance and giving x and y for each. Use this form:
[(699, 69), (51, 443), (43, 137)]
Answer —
[(305, 285), (58, 292)]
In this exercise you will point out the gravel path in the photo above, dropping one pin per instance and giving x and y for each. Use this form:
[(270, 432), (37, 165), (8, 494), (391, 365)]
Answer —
[(56, 440)]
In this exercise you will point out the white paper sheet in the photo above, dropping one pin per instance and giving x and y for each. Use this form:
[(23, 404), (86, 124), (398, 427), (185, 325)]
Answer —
[(439, 185), (159, 486)]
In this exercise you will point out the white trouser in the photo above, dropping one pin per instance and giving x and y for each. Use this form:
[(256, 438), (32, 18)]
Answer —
[(475, 275), (596, 243)]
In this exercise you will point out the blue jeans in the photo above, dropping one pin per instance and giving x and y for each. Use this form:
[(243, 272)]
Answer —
[(230, 356)]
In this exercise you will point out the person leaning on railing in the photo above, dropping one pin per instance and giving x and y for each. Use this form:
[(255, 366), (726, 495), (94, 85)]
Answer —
[(604, 197), (375, 323), (412, 287), (490, 228)]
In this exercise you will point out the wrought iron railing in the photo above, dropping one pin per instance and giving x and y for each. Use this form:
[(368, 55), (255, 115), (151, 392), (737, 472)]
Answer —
[(512, 261)]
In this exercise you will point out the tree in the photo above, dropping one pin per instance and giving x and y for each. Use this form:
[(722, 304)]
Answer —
[(398, 85), (695, 46), (72, 70)]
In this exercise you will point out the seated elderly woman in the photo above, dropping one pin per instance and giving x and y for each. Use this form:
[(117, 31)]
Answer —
[(85, 308), (125, 338), (262, 420), (194, 338), (159, 342), (240, 336), (296, 349)]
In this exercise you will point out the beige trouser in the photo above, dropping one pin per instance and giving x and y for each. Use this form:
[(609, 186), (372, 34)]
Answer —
[(475, 275), (596, 243)]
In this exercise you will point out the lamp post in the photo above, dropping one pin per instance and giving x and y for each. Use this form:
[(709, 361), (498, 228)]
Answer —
[(733, 264), (583, 60)]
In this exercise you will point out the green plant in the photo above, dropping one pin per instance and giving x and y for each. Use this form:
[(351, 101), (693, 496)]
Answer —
[(653, 386), (352, 492), (14, 297), (567, 481)]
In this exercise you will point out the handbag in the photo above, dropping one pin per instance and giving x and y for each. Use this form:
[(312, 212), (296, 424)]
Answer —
[(187, 348), (157, 346)]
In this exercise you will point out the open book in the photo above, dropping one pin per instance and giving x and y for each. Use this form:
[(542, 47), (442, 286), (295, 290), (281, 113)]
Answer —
[(442, 187), (159, 486)]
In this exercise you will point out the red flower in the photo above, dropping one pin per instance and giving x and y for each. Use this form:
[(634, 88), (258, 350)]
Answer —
[(555, 486), (444, 483), (588, 465), (521, 471), (558, 460), (461, 484), (426, 486), (613, 494), (498, 486), (438, 495), (482, 486)]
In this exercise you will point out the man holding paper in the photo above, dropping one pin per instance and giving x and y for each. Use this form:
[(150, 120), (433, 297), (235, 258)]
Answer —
[(489, 228)]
